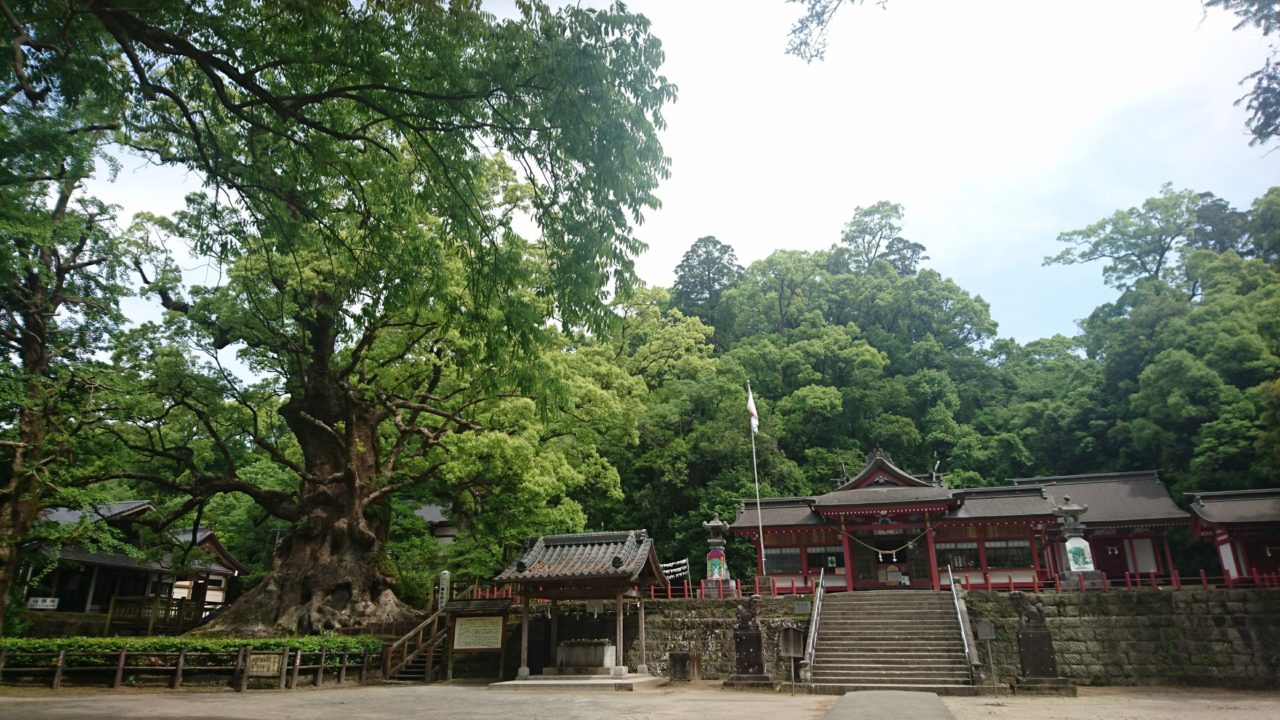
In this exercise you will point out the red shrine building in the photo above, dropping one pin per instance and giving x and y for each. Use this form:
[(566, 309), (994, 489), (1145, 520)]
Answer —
[(1244, 526), (888, 528)]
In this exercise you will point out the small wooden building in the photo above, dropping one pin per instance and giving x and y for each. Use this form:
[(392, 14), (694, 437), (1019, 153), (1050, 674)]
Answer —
[(133, 594), (1244, 526), (886, 528)]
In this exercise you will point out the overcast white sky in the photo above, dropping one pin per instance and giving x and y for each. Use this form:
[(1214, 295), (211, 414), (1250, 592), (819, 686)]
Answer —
[(997, 124)]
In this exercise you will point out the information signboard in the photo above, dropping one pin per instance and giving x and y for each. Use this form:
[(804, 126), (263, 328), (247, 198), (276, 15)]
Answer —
[(483, 632)]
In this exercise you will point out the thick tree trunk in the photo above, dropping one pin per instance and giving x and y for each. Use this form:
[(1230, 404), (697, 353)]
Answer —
[(327, 572), (324, 576)]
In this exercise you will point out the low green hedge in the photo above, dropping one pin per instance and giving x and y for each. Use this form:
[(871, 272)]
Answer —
[(85, 647), (90, 652)]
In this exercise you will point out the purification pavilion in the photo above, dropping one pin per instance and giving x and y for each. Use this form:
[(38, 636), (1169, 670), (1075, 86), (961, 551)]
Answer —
[(887, 528), (586, 566)]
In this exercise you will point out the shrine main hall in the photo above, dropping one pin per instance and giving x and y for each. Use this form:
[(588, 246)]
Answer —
[(887, 528)]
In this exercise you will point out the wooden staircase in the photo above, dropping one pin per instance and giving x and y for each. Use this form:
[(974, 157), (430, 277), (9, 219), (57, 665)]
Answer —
[(417, 656), (890, 640)]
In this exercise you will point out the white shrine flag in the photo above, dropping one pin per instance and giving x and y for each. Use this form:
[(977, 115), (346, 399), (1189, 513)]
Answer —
[(751, 410)]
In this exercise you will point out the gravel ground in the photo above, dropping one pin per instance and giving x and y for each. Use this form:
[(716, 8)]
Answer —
[(704, 702)]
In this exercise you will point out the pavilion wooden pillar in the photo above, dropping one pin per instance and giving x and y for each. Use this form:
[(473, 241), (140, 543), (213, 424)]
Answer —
[(1168, 556), (554, 644), (1035, 552), (523, 672), (619, 665), (643, 667), (849, 567), (933, 554)]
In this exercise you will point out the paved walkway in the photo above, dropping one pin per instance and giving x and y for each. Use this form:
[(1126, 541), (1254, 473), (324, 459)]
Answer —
[(889, 705), (417, 702)]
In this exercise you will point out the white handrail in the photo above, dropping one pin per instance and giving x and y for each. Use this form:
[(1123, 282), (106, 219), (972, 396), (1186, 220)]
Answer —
[(964, 633), (812, 646)]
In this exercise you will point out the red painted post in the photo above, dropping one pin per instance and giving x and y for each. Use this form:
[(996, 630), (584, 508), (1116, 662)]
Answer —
[(1257, 581), (986, 578), (1035, 583), (1106, 584), (1128, 582), (1010, 583), (793, 585), (1177, 580), (1204, 580), (756, 579), (1057, 583), (1080, 577), (1154, 582), (721, 584), (702, 588)]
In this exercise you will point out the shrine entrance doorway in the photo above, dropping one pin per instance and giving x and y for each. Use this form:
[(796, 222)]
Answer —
[(891, 559)]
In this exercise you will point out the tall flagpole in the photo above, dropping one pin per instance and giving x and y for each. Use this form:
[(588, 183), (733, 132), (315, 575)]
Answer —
[(755, 422)]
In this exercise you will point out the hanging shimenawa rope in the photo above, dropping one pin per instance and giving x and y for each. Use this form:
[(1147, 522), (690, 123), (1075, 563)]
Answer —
[(881, 553)]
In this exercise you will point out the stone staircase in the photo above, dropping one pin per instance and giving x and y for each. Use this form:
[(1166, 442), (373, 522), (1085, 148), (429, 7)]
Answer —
[(890, 640)]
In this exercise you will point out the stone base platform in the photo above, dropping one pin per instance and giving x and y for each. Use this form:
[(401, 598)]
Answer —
[(749, 682), (1059, 687), (629, 682)]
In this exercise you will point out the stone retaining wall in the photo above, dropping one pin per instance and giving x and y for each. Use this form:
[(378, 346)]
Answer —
[(706, 627), (1218, 638)]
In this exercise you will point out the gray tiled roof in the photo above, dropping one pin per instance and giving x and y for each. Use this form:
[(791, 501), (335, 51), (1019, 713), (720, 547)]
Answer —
[(1002, 502), (619, 556), (775, 512), (1113, 497), (883, 495), (1238, 506), (103, 511)]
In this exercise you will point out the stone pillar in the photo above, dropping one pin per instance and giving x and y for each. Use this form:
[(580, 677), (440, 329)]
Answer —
[(619, 663), (643, 667), (523, 672)]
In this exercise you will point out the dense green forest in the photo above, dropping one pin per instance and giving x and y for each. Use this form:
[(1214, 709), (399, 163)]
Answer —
[(420, 290)]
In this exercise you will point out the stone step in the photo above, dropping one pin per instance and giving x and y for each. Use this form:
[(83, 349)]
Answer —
[(865, 659), (896, 678), (890, 645), (841, 688), (888, 636), (890, 657), (871, 671)]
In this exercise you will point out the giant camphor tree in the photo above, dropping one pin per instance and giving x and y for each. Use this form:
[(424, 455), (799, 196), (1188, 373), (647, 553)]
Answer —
[(365, 165)]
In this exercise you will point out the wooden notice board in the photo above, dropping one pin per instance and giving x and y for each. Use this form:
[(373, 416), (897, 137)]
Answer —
[(480, 633)]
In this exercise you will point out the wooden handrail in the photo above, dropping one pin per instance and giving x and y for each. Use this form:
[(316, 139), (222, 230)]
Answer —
[(411, 644)]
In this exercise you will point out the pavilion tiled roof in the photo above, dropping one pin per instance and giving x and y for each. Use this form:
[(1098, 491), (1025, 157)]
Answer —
[(1114, 498), (1238, 506), (619, 556)]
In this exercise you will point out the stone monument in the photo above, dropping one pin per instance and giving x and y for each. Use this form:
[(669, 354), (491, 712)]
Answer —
[(1039, 662), (748, 647)]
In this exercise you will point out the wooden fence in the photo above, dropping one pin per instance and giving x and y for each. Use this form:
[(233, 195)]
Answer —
[(279, 669)]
